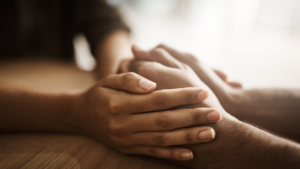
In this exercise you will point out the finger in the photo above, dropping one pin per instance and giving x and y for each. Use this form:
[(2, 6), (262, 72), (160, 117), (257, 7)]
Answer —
[(235, 84), (124, 66), (122, 102), (130, 82), (139, 53), (172, 119), (180, 56), (159, 55), (191, 135), (222, 75), (174, 153), (157, 72)]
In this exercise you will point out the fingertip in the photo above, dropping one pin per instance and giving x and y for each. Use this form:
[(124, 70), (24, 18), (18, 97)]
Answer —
[(207, 135), (214, 116), (135, 49), (202, 95), (213, 133), (235, 84), (147, 85), (186, 155), (161, 46)]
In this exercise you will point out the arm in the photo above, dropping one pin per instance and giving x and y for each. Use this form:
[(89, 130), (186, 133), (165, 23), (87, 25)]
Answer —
[(240, 145), (237, 145), (33, 110), (276, 110), (109, 53), (110, 114), (106, 33)]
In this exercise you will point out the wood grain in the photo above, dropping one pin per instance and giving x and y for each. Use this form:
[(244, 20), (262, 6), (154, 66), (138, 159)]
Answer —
[(53, 150)]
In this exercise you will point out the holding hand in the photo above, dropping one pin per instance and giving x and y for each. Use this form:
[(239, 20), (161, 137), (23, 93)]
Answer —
[(168, 73), (123, 112), (227, 92)]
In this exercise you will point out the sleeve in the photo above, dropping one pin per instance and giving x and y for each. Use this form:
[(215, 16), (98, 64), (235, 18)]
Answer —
[(96, 19)]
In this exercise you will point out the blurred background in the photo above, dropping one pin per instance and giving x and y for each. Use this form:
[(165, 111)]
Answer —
[(256, 42)]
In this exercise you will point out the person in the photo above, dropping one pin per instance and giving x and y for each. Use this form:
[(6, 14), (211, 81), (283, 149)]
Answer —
[(41, 29), (45, 29), (238, 144), (186, 101)]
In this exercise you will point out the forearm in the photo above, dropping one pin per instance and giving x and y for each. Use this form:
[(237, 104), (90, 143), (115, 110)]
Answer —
[(115, 48), (277, 110), (32, 110), (239, 145)]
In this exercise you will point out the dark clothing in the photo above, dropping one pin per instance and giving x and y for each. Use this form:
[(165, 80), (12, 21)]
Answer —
[(46, 27)]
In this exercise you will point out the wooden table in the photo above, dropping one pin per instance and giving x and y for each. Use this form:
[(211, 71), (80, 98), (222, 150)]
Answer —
[(56, 150)]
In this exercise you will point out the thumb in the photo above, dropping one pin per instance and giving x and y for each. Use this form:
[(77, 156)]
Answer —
[(130, 82)]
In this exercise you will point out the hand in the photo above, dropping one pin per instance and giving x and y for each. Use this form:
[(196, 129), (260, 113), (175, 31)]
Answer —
[(118, 119), (234, 137), (223, 76), (193, 62), (226, 92), (168, 73)]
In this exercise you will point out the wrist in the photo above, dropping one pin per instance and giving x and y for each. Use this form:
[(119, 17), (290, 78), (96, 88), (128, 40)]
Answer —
[(73, 116), (232, 100)]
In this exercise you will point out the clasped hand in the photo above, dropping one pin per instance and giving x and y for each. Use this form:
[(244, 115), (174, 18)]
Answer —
[(124, 112)]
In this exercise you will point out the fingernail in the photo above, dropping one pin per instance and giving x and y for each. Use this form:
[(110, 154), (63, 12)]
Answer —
[(146, 84), (207, 135), (202, 95), (214, 116), (186, 155)]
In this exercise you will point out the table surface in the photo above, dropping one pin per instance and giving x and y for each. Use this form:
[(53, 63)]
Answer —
[(56, 150)]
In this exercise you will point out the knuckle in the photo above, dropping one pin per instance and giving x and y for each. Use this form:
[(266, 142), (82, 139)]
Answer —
[(156, 66), (118, 142), (161, 45), (113, 106), (116, 128), (127, 77), (153, 151), (196, 116), (186, 67), (172, 154), (160, 100), (156, 51), (189, 97), (188, 137), (159, 139), (162, 121), (191, 57)]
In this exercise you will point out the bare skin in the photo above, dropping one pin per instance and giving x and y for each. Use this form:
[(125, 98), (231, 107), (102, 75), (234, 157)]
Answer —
[(237, 145), (113, 111), (277, 110), (111, 52)]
